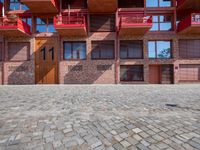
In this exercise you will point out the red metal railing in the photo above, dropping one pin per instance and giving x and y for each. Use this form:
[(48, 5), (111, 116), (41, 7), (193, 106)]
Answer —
[(180, 2), (135, 20), (10, 23), (192, 19), (70, 21)]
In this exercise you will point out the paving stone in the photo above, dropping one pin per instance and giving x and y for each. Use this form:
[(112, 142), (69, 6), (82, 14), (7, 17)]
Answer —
[(125, 143), (99, 117), (136, 130)]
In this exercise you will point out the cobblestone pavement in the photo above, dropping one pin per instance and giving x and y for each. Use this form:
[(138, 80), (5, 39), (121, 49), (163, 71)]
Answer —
[(100, 117)]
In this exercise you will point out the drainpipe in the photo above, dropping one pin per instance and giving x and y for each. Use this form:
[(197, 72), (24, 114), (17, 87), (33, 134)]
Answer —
[(117, 51)]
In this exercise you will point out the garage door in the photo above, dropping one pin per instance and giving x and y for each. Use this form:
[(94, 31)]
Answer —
[(189, 73)]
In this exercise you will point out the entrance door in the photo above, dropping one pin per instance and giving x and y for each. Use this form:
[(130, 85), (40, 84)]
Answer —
[(46, 61), (154, 74)]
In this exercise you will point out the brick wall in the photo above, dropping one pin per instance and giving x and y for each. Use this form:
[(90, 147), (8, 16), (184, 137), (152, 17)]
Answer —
[(88, 71), (19, 72)]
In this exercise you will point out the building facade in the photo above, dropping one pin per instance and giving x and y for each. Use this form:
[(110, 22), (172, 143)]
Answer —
[(99, 42)]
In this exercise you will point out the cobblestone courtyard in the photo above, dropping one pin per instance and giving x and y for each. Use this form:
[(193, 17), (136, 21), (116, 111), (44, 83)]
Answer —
[(100, 117)]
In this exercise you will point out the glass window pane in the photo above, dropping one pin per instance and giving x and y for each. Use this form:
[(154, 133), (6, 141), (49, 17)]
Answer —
[(67, 51), (165, 3), (163, 49), (152, 49), (152, 3), (165, 26), (123, 73), (51, 28), (123, 53), (79, 50), (154, 27), (41, 28)]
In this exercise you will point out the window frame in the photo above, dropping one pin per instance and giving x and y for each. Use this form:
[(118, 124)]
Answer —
[(20, 5), (99, 51), (158, 5), (156, 49), (159, 22), (129, 75), (46, 25), (73, 42), (127, 50), (28, 53)]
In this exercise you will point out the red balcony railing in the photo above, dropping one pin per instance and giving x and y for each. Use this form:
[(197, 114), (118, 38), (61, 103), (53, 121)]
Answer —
[(192, 20), (71, 25), (7, 24), (135, 20), (180, 2), (188, 4), (70, 21)]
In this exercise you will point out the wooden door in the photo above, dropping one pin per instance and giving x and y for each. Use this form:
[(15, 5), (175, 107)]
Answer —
[(46, 60), (154, 74)]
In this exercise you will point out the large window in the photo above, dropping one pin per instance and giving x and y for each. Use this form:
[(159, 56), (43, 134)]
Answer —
[(16, 5), (160, 49), (162, 23), (45, 25), (102, 49), (189, 48), (74, 50), (18, 51), (131, 49), (102, 23), (158, 3), (132, 73)]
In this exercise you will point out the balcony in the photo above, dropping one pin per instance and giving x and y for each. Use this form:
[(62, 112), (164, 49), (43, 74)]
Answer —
[(10, 27), (73, 25), (41, 6), (1, 6), (134, 24), (190, 25), (102, 6), (188, 4)]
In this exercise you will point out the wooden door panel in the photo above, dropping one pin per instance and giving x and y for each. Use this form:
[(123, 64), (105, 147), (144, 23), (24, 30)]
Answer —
[(46, 60), (154, 74)]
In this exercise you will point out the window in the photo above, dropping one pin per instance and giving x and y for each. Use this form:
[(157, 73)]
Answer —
[(74, 50), (16, 5), (45, 25), (158, 3), (132, 73), (131, 49), (189, 48), (162, 23), (102, 23), (18, 51), (159, 49), (102, 49)]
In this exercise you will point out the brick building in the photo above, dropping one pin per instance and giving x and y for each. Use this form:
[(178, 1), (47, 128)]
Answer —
[(99, 41)]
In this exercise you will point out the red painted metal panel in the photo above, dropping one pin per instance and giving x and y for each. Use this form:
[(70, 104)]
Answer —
[(18, 24), (136, 19), (189, 21)]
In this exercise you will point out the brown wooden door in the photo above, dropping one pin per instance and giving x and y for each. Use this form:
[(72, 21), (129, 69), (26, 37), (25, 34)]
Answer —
[(154, 74), (46, 61)]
